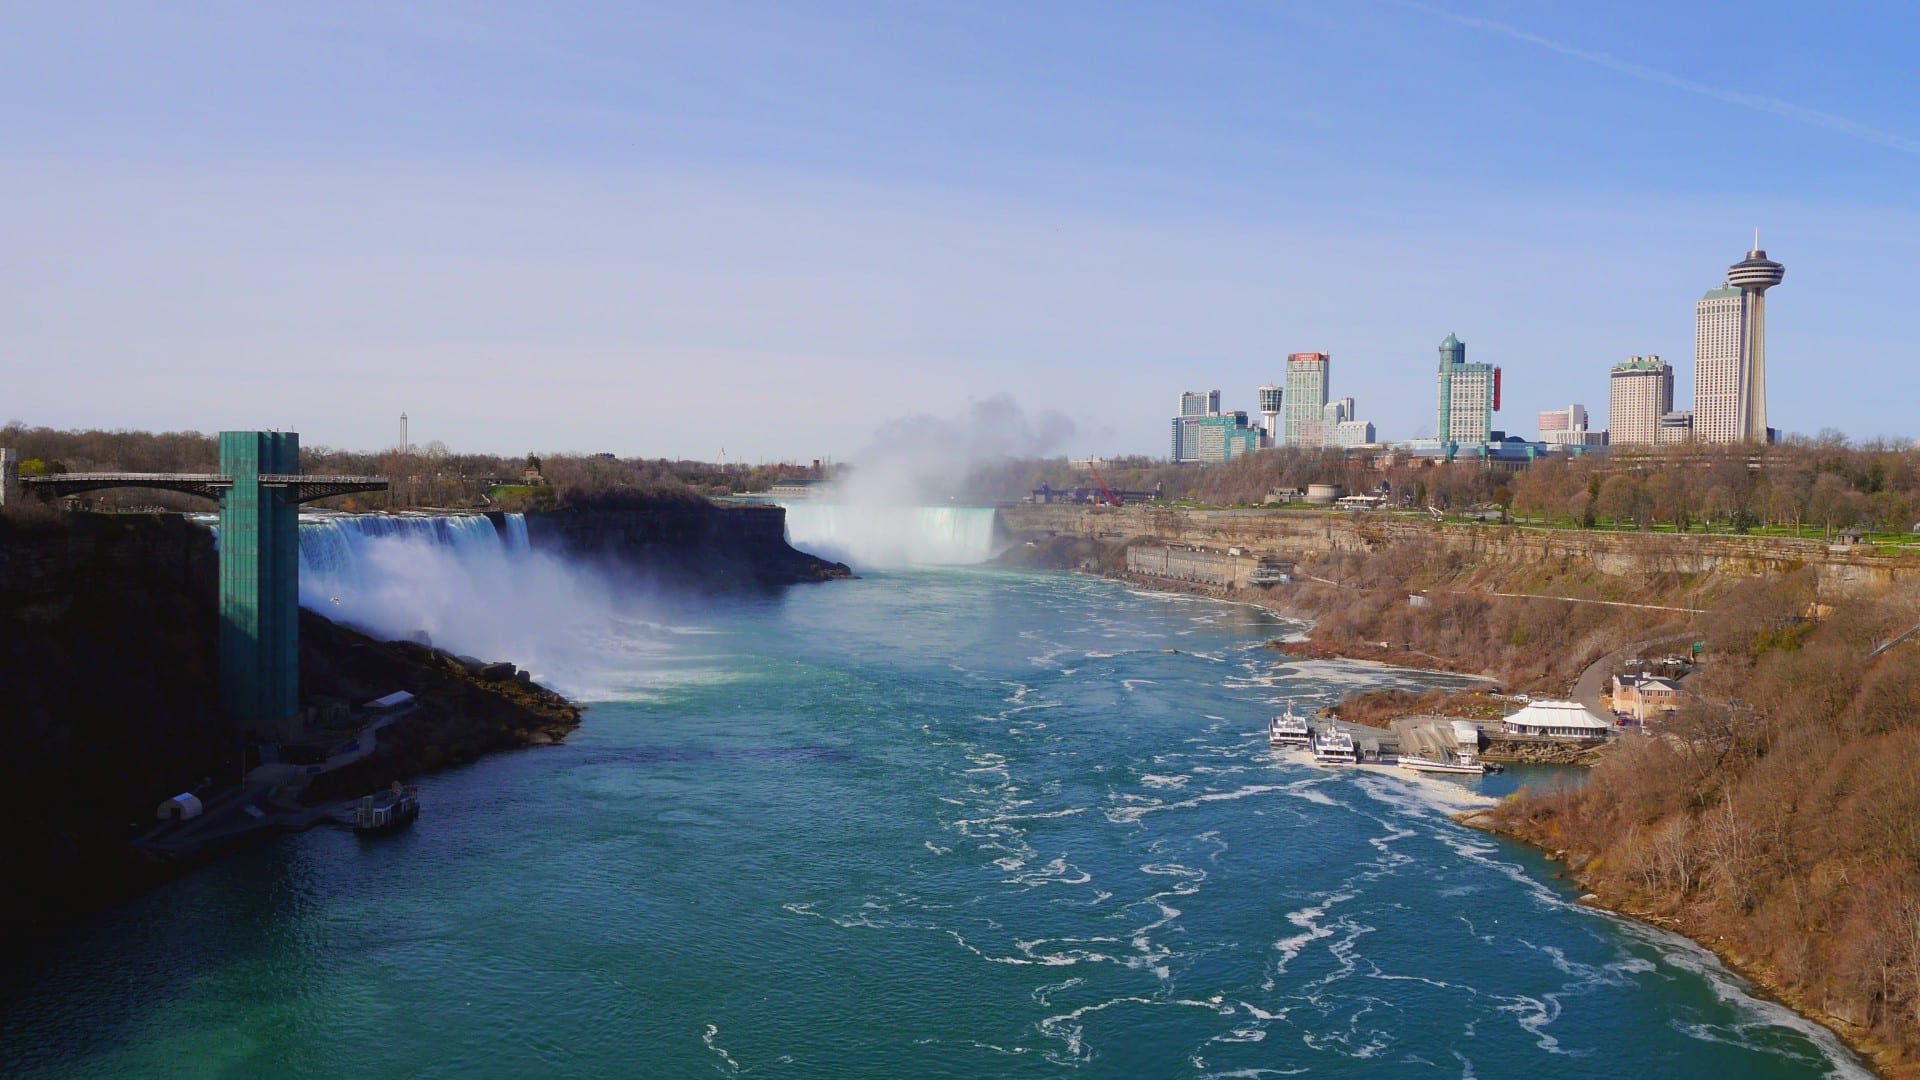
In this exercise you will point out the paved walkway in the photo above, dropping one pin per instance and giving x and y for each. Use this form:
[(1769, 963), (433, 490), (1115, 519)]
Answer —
[(249, 807)]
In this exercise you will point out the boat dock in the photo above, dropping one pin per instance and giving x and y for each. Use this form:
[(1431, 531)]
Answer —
[(1431, 737), (1372, 743)]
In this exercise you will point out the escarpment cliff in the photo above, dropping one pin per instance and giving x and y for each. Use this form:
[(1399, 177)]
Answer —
[(1311, 535)]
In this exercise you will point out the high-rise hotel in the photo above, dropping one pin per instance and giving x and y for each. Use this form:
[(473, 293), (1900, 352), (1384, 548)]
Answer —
[(1308, 375), (1639, 393), (1730, 353), (1469, 396)]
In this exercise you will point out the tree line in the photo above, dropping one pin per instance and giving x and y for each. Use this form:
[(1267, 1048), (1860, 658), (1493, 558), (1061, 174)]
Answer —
[(429, 475), (1825, 483)]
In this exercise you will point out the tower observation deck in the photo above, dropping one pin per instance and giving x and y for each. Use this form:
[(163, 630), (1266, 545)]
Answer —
[(1753, 276)]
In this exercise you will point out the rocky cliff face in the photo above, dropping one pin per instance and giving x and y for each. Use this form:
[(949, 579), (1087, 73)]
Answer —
[(109, 704), (692, 544), (1308, 535), (462, 711)]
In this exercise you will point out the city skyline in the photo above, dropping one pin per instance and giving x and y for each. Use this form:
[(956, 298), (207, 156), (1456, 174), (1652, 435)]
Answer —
[(552, 234)]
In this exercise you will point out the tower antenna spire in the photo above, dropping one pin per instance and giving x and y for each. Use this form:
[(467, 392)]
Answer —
[(1756, 238)]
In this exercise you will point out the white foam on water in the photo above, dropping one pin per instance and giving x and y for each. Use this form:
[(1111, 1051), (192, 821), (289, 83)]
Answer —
[(1131, 815), (1312, 930), (711, 1040), (1056, 872), (1043, 995), (1310, 791), (1071, 1033), (1535, 1014), (1418, 794)]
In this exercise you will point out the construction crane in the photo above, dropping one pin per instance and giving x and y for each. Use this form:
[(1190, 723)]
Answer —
[(1107, 493)]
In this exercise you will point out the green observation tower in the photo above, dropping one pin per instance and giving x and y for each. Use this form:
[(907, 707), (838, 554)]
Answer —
[(260, 584), (259, 488)]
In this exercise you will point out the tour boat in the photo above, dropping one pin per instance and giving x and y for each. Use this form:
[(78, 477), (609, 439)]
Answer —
[(1464, 766), (1334, 748), (1289, 729), (387, 810)]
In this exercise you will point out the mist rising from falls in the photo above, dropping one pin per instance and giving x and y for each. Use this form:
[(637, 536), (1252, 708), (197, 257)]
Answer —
[(471, 588), (875, 536)]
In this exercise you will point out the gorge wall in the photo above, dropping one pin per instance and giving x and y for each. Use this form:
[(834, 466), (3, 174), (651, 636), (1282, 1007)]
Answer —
[(1305, 535)]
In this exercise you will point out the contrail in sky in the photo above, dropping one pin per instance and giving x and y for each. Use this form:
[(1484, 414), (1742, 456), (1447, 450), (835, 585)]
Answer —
[(1786, 109)]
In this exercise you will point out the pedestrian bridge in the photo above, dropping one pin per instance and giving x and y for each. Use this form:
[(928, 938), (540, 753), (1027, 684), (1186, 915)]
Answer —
[(298, 487)]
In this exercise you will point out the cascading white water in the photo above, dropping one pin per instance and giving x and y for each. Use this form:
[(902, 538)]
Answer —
[(468, 587), (517, 533), (883, 536)]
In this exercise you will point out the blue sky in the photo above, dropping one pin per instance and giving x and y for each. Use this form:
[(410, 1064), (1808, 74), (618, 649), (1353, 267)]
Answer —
[(777, 228)]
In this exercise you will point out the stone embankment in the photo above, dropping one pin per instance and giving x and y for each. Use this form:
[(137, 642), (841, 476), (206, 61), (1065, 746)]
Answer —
[(1523, 751)]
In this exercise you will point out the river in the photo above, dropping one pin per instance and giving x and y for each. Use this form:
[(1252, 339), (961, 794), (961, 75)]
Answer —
[(947, 821)]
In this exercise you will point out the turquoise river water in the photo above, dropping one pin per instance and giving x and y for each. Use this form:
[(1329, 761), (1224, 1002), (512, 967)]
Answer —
[(947, 822)]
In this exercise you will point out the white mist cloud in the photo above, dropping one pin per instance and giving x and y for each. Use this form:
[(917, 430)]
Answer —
[(925, 460), (898, 502)]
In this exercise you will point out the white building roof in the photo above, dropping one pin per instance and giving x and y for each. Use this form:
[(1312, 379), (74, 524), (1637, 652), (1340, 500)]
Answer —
[(1559, 714), (1465, 733)]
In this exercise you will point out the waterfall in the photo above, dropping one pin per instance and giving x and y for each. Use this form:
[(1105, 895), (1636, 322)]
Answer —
[(881, 536), (339, 551), (469, 587), (517, 533)]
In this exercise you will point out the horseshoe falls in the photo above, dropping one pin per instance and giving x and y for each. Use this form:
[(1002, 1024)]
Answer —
[(939, 821), (868, 535)]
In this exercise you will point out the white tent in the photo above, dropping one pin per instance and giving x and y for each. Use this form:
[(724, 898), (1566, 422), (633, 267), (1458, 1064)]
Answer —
[(180, 808), (1557, 720)]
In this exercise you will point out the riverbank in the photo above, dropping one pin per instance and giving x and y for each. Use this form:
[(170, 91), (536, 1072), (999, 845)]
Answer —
[(1825, 945), (1887, 1060)]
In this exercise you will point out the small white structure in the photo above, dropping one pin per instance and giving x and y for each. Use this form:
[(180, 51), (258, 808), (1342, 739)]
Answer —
[(1557, 720), (182, 807), (396, 700), (1466, 735)]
